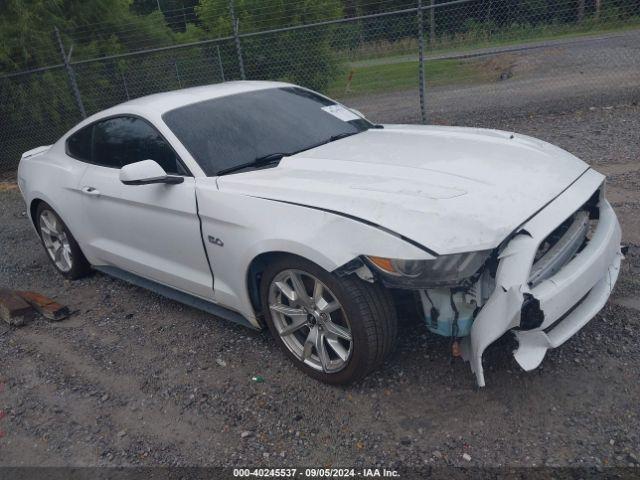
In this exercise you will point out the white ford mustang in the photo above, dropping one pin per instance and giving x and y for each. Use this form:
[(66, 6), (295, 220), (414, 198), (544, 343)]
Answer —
[(269, 204)]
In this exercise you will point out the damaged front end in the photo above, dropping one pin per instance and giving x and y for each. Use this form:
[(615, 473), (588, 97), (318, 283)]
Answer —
[(554, 275), (544, 283), (452, 288)]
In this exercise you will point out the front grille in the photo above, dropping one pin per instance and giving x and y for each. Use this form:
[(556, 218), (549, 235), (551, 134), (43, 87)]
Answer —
[(562, 245)]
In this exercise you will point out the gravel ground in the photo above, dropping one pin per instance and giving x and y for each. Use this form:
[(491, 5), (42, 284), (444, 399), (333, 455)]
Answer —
[(135, 379)]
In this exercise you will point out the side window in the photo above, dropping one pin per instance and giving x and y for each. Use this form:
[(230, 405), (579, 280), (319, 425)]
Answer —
[(123, 140), (79, 144)]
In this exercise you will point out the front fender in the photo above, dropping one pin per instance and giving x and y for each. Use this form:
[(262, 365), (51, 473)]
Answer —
[(238, 228)]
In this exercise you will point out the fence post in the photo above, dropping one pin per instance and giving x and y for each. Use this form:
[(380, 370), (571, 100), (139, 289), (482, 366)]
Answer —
[(580, 14), (432, 21), (234, 23), (124, 83), (71, 74), (220, 63), (175, 64), (423, 108)]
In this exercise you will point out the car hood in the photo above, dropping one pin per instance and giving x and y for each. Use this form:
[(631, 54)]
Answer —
[(449, 189)]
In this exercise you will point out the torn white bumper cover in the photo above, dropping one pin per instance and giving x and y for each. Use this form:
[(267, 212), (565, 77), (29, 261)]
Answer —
[(568, 299)]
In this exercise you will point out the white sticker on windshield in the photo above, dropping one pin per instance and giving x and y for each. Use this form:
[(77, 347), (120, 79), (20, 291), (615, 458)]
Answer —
[(341, 112)]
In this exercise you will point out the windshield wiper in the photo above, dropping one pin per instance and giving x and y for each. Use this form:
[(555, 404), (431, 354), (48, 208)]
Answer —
[(333, 138), (257, 162), (276, 157)]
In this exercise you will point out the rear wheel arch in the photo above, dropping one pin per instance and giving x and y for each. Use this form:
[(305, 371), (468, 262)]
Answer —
[(35, 204), (33, 210), (77, 264), (42, 199)]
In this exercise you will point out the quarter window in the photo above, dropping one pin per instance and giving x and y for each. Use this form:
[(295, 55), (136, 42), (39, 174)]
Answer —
[(123, 140), (79, 144)]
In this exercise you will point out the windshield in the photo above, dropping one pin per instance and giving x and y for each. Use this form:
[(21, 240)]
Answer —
[(229, 131)]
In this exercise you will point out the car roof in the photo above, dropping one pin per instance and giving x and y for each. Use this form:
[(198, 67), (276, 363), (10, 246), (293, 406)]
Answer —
[(159, 103)]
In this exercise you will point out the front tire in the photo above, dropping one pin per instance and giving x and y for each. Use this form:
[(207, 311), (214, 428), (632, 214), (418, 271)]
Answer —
[(335, 329), (62, 249)]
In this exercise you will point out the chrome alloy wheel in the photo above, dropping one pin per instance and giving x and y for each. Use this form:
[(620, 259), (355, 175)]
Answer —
[(310, 320), (55, 240)]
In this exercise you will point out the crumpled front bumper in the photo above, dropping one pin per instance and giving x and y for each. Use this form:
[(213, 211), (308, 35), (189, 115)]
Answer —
[(568, 299)]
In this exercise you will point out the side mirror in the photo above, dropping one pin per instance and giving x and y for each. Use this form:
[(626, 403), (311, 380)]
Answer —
[(146, 172)]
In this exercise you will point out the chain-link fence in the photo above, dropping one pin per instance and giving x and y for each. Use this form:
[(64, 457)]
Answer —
[(424, 62)]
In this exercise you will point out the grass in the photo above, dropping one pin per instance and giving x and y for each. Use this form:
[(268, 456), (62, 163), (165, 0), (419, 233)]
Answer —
[(404, 75), (392, 66), (480, 36)]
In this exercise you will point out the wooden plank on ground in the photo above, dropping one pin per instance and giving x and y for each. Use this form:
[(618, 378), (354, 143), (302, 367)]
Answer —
[(47, 307), (13, 309)]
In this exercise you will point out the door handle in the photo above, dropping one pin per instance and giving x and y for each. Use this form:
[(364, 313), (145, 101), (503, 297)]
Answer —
[(90, 191)]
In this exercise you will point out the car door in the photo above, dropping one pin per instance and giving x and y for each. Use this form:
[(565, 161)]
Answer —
[(152, 231)]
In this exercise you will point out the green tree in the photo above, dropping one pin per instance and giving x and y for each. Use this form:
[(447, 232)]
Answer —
[(26, 29), (98, 27), (302, 56), (37, 108)]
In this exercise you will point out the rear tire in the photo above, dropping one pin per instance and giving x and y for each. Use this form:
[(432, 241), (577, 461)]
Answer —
[(62, 249), (351, 308)]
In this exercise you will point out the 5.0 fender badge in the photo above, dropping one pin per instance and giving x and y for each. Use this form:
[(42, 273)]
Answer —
[(216, 241)]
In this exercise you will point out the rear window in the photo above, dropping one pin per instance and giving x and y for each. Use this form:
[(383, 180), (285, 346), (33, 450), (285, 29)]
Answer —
[(79, 144)]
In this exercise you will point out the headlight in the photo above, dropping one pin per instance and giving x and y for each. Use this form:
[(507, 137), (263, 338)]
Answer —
[(445, 270)]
